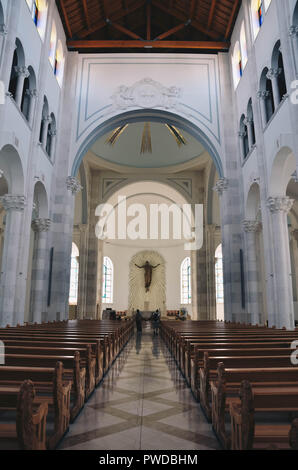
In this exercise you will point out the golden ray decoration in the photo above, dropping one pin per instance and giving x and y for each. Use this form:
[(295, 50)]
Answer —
[(113, 138), (180, 139), (146, 139)]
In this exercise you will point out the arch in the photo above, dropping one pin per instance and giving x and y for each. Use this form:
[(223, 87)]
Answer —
[(11, 164), (283, 168), (52, 128), (243, 132), (29, 86), (140, 116), (185, 281), (53, 44), (250, 117), (252, 209), (266, 87), (18, 60), (40, 199), (107, 280), (44, 116), (278, 65)]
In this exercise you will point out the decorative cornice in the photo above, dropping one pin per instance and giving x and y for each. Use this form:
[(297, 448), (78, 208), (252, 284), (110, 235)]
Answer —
[(73, 184), (221, 186), (11, 202), (251, 226), (41, 225), (280, 204)]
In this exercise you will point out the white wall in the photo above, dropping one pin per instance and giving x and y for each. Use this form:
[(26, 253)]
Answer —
[(121, 256)]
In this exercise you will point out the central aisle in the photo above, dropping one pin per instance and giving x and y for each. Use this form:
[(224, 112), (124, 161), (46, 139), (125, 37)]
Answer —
[(142, 404)]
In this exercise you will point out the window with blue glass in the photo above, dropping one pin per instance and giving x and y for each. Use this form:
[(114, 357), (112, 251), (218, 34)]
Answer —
[(107, 281)]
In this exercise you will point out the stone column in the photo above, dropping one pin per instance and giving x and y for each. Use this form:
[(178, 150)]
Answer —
[(273, 75), (213, 239), (279, 208), (83, 258), (294, 36), (242, 146), (22, 73), (263, 96), (46, 122), (251, 228), (40, 259), (32, 99), (249, 123), (14, 207), (53, 135)]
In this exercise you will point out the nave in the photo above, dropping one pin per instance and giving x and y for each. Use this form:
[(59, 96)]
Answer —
[(142, 404)]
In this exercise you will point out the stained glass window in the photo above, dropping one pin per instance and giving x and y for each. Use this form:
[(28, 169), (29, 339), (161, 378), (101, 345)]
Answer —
[(35, 12), (219, 276), (260, 12), (107, 281), (186, 282), (74, 276)]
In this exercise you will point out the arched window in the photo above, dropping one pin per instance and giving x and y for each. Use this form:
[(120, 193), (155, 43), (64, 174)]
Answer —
[(39, 12), (266, 96), (74, 275), (219, 283), (243, 46), (107, 281), (186, 281), (278, 75), (17, 62), (243, 134), (51, 136), (258, 10), (237, 64), (53, 44), (59, 63)]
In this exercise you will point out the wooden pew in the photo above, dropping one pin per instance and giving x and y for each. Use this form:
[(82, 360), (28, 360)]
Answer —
[(28, 430), (227, 383), (51, 387), (248, 434)]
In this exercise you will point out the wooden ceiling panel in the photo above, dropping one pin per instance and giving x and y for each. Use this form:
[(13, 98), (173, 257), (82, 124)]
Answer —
[(173, 25)]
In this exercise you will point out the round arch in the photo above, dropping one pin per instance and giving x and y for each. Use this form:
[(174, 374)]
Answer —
[(253, 202), (148, 115), (283, 167), (41, 200), (10, 163)]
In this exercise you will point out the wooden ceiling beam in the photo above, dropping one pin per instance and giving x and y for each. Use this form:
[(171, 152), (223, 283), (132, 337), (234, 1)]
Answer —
[(66, 20), (232, 18), (211, 13), (171, 31), (148, 12), (137, 44), (124, 30), (86, 13), (115, 17), (180, 16), (193, 5)]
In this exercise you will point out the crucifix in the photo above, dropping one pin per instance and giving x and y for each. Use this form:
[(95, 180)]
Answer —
[(148, 273)]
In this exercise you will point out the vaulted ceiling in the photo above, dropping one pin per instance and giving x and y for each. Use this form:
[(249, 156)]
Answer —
[(157, 25)]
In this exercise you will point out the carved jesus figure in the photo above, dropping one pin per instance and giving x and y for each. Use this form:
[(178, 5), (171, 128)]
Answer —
[(148, 273)]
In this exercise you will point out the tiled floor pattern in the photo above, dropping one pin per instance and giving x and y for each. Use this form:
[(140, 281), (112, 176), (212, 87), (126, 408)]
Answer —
[(143, 403)]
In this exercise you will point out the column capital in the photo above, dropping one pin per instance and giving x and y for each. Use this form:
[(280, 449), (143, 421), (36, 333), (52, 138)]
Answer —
[(273, 73), (52, 133), (73, 184), (247, 121), (22, 71), (3, 30), (41, 225), (12, 202), (32, 93), (263, 95), (47, 119), (251, 226), (221, 186), (280, 204), (242, 134), (293, 31)]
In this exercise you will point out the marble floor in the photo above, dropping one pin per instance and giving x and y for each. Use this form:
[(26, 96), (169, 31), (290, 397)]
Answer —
[(142, 404)]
